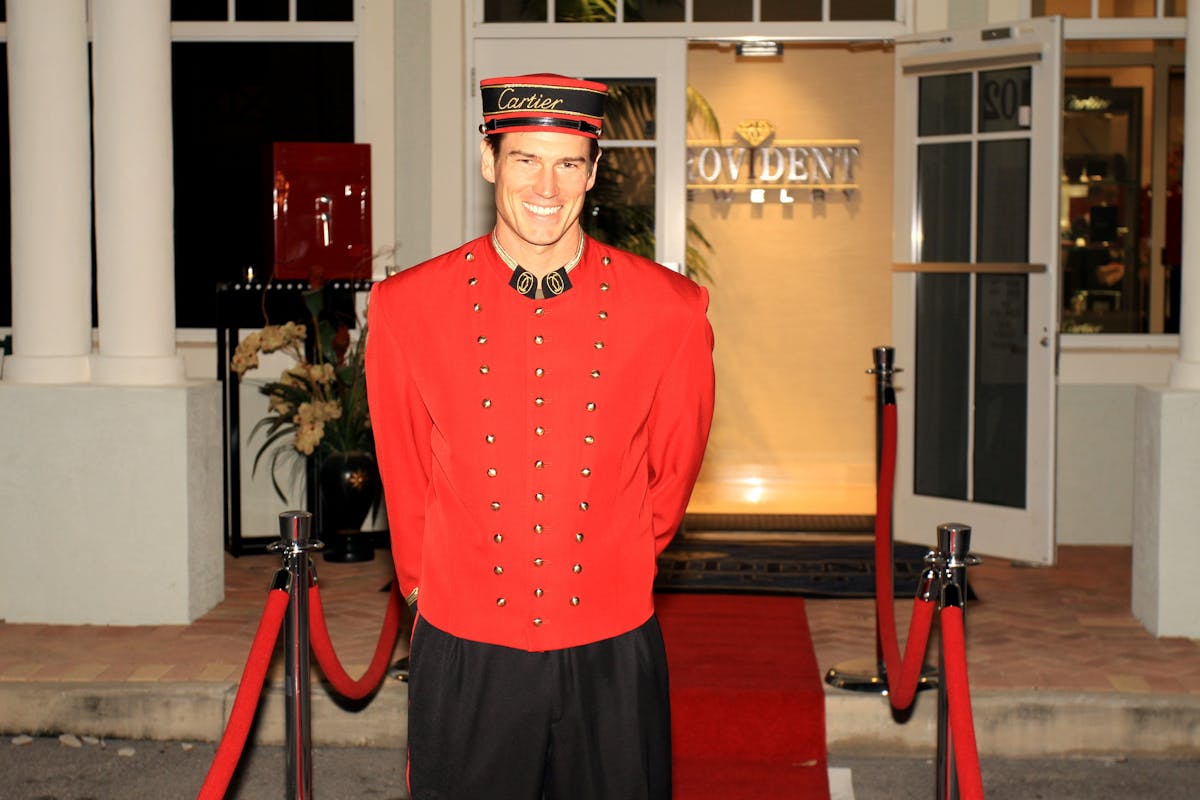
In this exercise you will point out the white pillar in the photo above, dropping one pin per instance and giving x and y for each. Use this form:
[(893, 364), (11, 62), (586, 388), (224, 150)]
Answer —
[(1166, 506), (51, 194), (1185, 373), (135, 251)]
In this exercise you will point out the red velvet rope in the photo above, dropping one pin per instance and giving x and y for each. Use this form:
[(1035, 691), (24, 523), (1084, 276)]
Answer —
[(902, 674), (246, 701), (322, 647), (958, 697)]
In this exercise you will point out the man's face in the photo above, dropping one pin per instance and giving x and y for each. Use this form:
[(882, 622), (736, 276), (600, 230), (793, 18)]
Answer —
[(541, 179)]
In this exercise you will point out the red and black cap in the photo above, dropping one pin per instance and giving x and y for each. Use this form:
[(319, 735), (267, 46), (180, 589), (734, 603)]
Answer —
[(543, 102)]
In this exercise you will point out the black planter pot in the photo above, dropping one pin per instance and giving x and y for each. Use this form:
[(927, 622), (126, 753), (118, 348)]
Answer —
[(349, 487)]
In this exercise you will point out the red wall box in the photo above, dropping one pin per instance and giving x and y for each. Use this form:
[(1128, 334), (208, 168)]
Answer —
[(322, 211)]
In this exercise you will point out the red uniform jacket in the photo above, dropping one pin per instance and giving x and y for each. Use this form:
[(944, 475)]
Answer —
[(537, 455)]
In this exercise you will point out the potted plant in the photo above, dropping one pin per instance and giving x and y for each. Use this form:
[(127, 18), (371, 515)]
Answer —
[(317, 415)]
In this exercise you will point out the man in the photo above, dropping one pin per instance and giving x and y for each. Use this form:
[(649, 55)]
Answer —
[(540, 403)]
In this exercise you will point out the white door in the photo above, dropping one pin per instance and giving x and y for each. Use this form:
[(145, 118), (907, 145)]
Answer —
[(975, 284), (652, 72)]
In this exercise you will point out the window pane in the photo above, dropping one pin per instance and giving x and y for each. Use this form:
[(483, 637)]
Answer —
[(5, 198), (199, 10), (1001, 370), (262, 10), (790, 11), (944, 105), (941, 402), (722, 10), (654, 10), (1004, 100), (629, 110), (325, 10), (1127, 8), (1066, 8), (514, 11), (862, 9), (231, 101), (1104, 290), (944, 201), (584, 11), (619, 210), (1003, 230)]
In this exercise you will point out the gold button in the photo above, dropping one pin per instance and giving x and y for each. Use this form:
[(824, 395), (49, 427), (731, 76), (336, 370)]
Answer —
[(470, 257), (603, 315), (589, 439), (604, 287), (595, 373), (476, 307), (538, 593), (491, 438), (585, 472), (538, 528), (537, 620), (483, 369), (579, 536), (605, 261), (495, 505), (539, 497), (578, 568), (491, 472), (539, 372), (539, 311), (599, 345), (583, 506), (499, 570), (539, 430), (539, 464), (498, 538), (574, 601), (538, 339), (500, 601), (487, 403), (537, 562), (482, 340), (591, 406), (539, 401)]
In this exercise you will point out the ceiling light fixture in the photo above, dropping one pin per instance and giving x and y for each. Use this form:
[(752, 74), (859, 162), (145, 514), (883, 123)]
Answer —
[(759, 48)]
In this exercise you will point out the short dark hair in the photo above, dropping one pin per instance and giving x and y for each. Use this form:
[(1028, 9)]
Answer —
[(494, 139)]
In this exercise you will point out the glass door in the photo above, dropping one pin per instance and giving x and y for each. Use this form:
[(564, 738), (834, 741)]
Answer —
[(975, 310), (639, 201)]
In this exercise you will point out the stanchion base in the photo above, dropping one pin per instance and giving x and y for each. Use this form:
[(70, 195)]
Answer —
[(348, 547), (864, 675)]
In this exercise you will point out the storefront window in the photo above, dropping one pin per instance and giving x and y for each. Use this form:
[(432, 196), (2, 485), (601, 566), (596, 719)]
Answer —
[(1121, 187)]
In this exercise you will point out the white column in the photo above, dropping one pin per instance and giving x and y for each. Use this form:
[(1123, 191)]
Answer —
[(51, 196), (1185, 373), (135, 256)]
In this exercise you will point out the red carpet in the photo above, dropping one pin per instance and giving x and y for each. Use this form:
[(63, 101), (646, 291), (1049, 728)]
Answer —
[(747, 702)]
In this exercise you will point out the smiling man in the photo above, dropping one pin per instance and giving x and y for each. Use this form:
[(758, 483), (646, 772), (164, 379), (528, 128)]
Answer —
[(540, 403)]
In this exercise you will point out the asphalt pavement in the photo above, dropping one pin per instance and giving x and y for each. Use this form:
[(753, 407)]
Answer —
[(78, 768)]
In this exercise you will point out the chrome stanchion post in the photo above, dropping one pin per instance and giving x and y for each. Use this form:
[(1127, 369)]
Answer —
[(952, 559), (295, 532), (861, 675)]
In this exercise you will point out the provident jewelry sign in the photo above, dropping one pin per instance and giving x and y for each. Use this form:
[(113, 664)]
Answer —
[(759, 167)]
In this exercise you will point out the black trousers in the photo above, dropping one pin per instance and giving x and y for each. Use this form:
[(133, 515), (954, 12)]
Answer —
[(584, 723)]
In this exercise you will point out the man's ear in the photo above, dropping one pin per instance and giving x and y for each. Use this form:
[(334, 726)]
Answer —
[(595, 166), (487, 161)]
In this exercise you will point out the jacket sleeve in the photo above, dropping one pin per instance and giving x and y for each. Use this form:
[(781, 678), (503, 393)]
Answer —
[(679, 423), (401, 426)]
